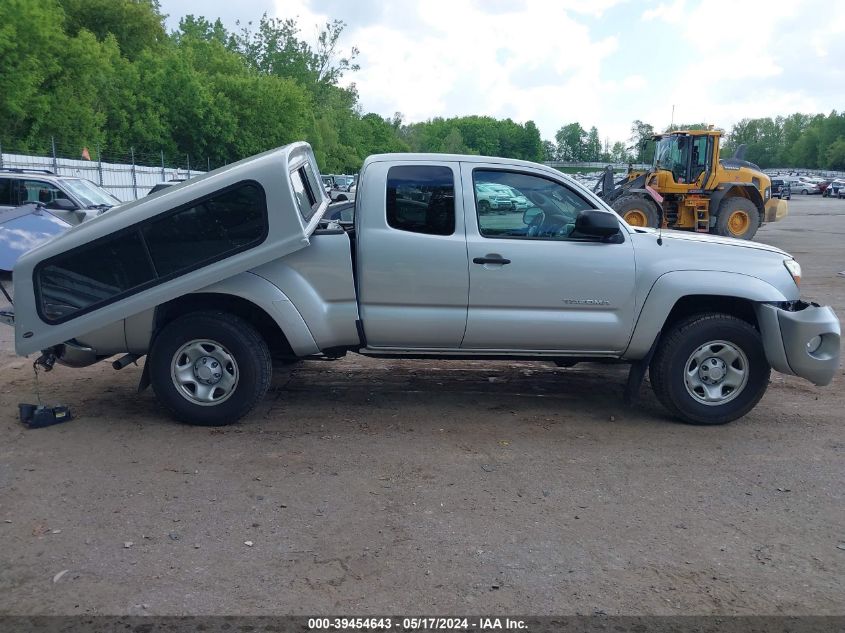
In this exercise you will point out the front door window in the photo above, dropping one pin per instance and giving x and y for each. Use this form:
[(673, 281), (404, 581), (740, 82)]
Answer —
[(519, 206)]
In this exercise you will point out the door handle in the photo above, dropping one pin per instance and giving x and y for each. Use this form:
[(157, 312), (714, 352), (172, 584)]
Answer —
[(498, 259)]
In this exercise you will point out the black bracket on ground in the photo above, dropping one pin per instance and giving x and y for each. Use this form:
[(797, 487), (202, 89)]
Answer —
[(637, 373)]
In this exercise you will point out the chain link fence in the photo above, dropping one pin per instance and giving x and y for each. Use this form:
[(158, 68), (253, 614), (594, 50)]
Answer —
[(127, 176)]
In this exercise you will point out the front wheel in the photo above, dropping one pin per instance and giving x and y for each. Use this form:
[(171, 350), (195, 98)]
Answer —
[(710, 369), (210, 368), (739, 218)]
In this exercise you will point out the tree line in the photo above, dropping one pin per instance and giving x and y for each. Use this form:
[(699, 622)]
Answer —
[(106, 74), (811, 141)]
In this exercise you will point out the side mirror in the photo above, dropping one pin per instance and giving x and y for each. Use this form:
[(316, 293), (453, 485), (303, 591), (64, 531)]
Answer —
[(595, 223), (61, 204)]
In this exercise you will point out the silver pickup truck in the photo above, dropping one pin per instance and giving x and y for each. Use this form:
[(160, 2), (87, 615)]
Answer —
[(216, 278)]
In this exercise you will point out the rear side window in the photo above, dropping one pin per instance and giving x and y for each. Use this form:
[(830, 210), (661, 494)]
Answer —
[(421, 199), (6, 192), (92, 275), (305, 190), (151, 252), (217, 226)]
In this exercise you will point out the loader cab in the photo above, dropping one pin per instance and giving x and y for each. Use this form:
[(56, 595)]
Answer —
[(686, 156)]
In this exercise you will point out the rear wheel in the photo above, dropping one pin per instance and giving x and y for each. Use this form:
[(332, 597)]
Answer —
[(739, 218), (710, 369), (210, 368), (637, 211)]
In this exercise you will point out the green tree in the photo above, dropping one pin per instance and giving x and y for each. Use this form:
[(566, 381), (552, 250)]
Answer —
[(641, 134), (592, 148), (549, 151), (24, 69), (618, 153), (835, 155), (571, 139), (136, 25)]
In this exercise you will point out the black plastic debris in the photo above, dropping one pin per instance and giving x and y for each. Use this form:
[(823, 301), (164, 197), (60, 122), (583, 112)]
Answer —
[(36, 416)]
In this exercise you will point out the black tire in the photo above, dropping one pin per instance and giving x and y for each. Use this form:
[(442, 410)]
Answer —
[(805, 192), (484, 206), (637, 210), (237, 340), (730, 210), (669, 367)]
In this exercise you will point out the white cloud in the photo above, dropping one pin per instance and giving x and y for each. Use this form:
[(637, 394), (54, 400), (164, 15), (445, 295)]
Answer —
[(578, 60), (525, 60), (672, 13)]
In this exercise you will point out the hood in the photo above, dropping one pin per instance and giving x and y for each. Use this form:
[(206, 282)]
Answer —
[(688, 236), (22, 229)]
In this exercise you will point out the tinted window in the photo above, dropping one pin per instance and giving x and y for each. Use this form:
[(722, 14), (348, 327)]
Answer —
[(39, 191), (516, 205), (94, 274), (6, 198), (421, 199), (220, 225)]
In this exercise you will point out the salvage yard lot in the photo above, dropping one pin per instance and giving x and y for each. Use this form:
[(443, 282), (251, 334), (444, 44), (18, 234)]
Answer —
[(371, 486)]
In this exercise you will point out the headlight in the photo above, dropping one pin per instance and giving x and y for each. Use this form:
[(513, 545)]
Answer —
[(794, 269), (814, 344), (767, 193)]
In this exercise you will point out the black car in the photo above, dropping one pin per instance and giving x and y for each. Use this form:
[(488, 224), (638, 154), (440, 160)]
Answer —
[(781, 189)]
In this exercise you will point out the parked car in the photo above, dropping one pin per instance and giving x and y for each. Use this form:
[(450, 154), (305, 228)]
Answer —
[(781, 189), (833, 189), (342, 183), (23, 186), (214, 280), (806, 187), (493, 197), (36, 205)]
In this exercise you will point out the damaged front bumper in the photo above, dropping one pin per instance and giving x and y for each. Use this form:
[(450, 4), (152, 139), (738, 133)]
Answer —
[(801, 339)]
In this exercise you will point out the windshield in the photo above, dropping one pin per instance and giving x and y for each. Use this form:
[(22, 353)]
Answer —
[(90, 194), (672, 154), (663, 152)]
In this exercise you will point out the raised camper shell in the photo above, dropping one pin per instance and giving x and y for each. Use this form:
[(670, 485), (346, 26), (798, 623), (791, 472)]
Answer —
[(293, 214)]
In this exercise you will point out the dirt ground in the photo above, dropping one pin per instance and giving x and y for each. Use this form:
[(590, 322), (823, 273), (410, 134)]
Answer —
[(403, 487)]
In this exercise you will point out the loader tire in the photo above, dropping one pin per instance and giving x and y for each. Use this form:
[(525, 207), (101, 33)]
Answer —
[(739, 218), (637, 211)]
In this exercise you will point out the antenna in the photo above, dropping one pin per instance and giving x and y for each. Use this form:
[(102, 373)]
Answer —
[(672, 120)]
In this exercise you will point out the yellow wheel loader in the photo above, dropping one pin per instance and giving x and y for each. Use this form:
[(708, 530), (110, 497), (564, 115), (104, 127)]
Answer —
[(690, 187)]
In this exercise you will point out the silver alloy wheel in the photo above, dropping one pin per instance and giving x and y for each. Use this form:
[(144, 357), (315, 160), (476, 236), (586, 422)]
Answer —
[(716, 373), (204, 372)]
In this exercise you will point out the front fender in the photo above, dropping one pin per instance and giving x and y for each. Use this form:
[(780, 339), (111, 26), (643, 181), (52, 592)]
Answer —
[(673, 286)]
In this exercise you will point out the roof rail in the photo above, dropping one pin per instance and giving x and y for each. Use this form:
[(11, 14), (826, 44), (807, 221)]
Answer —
[(25, 170)]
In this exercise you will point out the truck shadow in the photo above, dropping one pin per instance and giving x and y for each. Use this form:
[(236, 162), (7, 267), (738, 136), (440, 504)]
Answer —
[(446, 387)]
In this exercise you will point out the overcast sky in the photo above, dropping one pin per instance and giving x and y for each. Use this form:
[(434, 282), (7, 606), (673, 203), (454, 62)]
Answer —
[(598, 62)]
